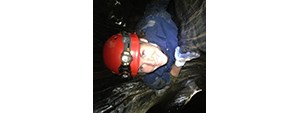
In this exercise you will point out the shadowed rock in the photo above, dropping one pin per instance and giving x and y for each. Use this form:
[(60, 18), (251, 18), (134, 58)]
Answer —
[(114, 95)]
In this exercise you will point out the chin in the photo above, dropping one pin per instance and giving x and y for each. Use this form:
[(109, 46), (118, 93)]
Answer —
[(164, 63), (165, 60)]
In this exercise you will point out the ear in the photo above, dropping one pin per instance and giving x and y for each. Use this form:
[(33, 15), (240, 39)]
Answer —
[(144, 40)]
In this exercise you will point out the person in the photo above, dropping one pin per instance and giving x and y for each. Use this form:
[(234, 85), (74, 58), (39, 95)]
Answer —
[(153, 51)]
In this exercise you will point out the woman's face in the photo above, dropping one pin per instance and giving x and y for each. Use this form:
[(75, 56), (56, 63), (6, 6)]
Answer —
[(151, 57)]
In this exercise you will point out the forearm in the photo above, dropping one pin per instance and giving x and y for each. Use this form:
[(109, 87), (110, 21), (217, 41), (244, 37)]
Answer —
[(175, 71)]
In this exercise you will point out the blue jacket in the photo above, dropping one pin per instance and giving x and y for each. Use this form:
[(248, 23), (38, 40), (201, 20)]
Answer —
[(160, 29)]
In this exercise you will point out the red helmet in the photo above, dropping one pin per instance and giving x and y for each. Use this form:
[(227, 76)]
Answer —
[(121, 54)]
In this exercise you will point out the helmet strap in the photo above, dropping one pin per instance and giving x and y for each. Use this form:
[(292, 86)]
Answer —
[(126, 58)]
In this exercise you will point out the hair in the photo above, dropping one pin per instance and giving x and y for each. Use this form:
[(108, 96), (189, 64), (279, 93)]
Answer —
[(140, 33)]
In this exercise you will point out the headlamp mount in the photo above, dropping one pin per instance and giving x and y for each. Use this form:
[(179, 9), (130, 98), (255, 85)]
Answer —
[(126, 58)]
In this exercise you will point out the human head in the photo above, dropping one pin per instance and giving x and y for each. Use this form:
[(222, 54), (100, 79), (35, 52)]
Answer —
[(142, 56)]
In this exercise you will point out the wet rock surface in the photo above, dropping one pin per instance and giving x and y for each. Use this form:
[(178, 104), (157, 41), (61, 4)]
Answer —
[(187, 94)]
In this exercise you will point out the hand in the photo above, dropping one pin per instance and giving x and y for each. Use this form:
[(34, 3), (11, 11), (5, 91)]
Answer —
[(182, 58)]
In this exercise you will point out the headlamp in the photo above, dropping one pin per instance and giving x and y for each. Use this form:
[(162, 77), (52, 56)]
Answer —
[(126, 58)]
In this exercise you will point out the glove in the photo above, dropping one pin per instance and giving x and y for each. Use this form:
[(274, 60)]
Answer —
[(182, 58)]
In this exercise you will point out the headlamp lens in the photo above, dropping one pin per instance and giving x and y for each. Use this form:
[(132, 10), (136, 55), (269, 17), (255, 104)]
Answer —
[(125, 58)]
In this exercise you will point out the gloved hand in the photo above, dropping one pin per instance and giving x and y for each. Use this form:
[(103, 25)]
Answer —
[(182, 58)]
